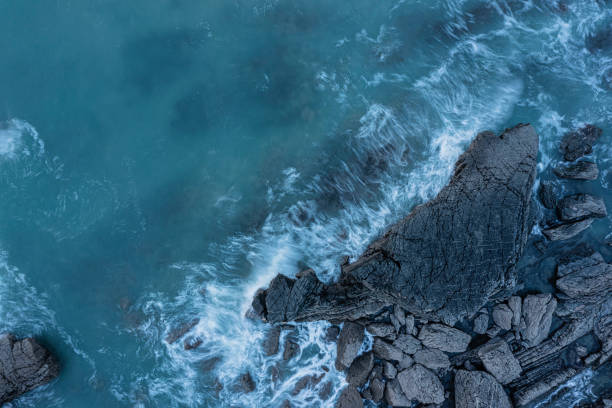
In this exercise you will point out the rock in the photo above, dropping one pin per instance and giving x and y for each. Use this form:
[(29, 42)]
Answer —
[(394, 396), (580, 206), (547, 195), (24, 365), (405, 362), (526, 395), (444, 338), (580, 142), (291, 349), (479, 389), (306, 381), (286, 404), (420, 384), (377, 389), (515, 304), (566, 231), (585, 277), (349, 398), (473, 231), (389, 370), (270, 343), (502, 316), (386, 351), (349, 343), (359, 371), (409, 324), (383, 330), (432, 359), (407, 343), (499, 361), (331, 334), (481, 323), (192, 343), (583, 170), (493, 331), (178, 332), (246, 383), (537, 318), (400, 315), (326, 390)]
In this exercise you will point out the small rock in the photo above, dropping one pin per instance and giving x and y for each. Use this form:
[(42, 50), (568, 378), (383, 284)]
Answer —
[(386, 351), (377, 389), (444, 338), (502, 316), (270, 343), (331, 334), (291, 350), (192, 343), (399, 314), (421, 384), (407, 343), (349, 343), (405, 362), (479, 389), (499, 361), (394, 396), (493, 331), (546, 194), (389, 370), (567, 231), (246, 383), (584, 170), (514, 303), (383, 330), (580, 142), (349, 398), (481, 323), (359, 371), (409, 324), (432, 359), (580, 206), (181, 330), (536, 318)]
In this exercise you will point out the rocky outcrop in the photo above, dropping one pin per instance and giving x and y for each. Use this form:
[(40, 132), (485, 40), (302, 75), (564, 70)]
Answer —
[(24, 365), (473, 232), (580, 142)]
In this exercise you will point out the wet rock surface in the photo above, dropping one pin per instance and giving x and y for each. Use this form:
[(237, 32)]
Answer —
[(24, 365), (582, 170), (580, 142)]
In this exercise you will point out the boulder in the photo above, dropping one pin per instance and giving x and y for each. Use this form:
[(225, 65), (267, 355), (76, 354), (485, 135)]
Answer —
[(407, 343), (389, 370), (580, 206), (444, 338), (377, 389), (566, 231), (536, 318), (515, 304), (246, 383), (270, 343), (359, 371), (580, 142), (386, 351), (24, 365), (546, 194), (384, 330), (479, 389), (405, 362), (349, 398), (499, 361), (422, 385), (349, 343), (291, 349), (585, 277), (481, 323), (331, 334), (394, 396), (502, 316), (432, 359), (583, 170)]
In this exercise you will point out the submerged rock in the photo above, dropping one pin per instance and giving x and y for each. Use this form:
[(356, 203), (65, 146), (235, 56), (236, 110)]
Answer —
[(24, 365), (420, 384), (580, 142), (270, 343), (579, 206), (442, 337), (179, 331), (246, 383), (479, 389), (349, 343), (583, 170)]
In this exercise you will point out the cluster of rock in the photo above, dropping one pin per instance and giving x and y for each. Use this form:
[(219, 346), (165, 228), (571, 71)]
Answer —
[(24, 365), (574, 213), (446, 263)]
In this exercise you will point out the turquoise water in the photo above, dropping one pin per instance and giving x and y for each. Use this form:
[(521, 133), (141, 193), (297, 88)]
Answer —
[(162, 160)]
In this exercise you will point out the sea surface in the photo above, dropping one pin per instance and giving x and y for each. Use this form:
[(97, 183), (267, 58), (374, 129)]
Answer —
[(161, 160)]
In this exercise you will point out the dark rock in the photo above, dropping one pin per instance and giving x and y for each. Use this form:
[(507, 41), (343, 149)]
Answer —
[(547, 195), (481, 323), (326, 390), (473, 231), (515, 304), (306, 381), (579, 206), (389, 370), (209, 364), (246, 383), (585, 277), (420, 384), (377, 389), (479, 389), (567, 231), (394, 396), (583, 170), (359, 371), (331, 334), (291, 349), (349, 343), (502, 316), (444, 338), (24, 365), (286, 404), (407, 343), (181, 330), (349, 398), (499, 361), (192, 343), (580, 142), (432, 359), (258, 305), (386, 351), (383, 330), (270, 343), (493, 331), (537, 318)]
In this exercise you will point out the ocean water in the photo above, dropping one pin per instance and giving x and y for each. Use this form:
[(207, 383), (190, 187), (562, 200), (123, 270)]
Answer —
[(161, 160)]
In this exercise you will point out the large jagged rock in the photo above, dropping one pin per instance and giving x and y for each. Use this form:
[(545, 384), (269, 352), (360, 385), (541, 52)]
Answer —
[(445, 259), (567, 231), (24, 365), (537, 318), (580, 206), (478, 389), (580, 142), (583, 170), (420, 384), (349, 398), (349, 343)]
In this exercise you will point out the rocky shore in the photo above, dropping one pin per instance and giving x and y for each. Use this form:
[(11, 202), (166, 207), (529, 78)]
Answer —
[(437, 293)]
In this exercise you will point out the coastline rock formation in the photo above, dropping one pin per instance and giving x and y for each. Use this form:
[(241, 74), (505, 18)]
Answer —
[(445, 259), (24, 365)]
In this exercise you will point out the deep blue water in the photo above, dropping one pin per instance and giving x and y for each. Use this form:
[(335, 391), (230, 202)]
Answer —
[(161, 160)]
